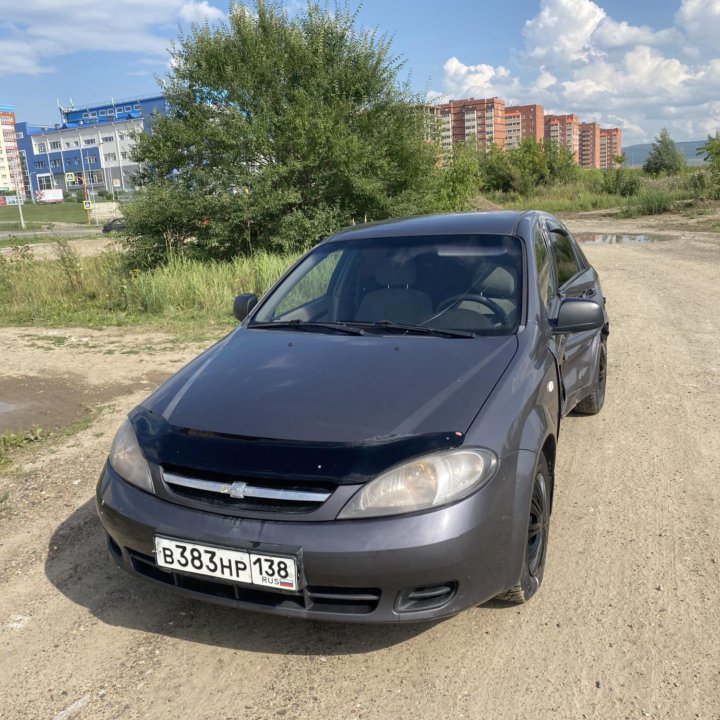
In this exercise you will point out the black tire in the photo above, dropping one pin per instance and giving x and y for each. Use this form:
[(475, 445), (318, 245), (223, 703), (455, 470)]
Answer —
[(537, 539), (592, 404)]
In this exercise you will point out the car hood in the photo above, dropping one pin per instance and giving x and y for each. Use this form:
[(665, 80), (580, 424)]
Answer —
[(315, 387)]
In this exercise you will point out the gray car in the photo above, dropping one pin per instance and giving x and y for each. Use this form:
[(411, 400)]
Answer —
[(376, 440)]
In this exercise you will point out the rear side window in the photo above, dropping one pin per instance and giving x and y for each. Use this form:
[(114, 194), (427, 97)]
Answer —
[(565, 260), (544, 271)]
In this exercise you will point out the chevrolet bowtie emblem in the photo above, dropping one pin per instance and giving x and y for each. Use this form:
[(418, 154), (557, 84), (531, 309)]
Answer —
[(237, 490)]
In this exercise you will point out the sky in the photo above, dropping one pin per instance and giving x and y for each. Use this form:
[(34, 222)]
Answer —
[(635, 64)]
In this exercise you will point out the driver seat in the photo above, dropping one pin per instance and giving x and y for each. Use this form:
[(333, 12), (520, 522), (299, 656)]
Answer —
[(499, 285)]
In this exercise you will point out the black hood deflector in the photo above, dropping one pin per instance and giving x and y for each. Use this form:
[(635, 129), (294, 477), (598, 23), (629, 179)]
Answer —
[(213, 455)]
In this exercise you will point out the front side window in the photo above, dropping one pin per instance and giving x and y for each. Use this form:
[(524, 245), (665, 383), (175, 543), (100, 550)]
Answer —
[(469, 284), (310, 287)]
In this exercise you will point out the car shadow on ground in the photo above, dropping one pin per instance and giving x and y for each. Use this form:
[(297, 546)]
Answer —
[(79, 566)]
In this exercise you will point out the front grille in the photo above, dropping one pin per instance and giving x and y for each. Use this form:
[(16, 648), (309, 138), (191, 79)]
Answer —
[(242, 493), (219, 501), (347, 601)]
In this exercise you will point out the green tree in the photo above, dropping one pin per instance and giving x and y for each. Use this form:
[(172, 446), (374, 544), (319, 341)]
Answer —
[(459, 183), (561, 163), (664, 156), (711, 154), (280, 130), (530, 165), (496, 170)]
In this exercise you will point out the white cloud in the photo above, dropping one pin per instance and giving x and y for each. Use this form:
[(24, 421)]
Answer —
[(477, 80), (39, 30), (194, 12), (561, 33), (700, 20), (576, 58)]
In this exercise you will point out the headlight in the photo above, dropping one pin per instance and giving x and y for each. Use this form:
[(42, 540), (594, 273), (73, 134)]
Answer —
[(423, 483), (127, 459)]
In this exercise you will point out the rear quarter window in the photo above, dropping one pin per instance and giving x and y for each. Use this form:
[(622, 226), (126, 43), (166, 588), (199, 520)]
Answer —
[(566, 261)]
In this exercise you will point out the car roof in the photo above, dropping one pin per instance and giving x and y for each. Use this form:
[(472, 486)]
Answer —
[(503, 222)]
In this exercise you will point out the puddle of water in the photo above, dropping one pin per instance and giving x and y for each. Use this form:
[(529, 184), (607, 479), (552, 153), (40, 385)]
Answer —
[(7, 407), (599, 239)]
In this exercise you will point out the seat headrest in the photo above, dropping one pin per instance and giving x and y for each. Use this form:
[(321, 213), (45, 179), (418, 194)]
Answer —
[(500, 283), (394, 274)]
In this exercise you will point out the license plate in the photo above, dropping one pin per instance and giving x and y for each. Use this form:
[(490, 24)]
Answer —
[(275, 571)]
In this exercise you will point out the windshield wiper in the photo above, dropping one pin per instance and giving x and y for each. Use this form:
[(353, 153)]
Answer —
[(390, 326), (308, 326)]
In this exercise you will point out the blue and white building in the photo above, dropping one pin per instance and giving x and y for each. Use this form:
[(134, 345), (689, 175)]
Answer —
[(92, 143)]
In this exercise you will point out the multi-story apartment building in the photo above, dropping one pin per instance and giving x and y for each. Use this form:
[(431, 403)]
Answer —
[(523, 121), (90, 146), (564, 130), (11, 168), (589, 144), (479, 121), (610, 146)]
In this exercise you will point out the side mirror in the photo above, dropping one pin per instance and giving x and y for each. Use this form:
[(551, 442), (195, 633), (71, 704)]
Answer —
[(243, 304), (578, 315)]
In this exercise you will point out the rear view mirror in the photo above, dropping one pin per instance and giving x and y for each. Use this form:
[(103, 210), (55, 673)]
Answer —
[(578, 315), (243, 304)]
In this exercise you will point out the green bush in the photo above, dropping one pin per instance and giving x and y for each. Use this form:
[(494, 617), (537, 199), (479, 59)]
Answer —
[(618, 181), (650, 201)]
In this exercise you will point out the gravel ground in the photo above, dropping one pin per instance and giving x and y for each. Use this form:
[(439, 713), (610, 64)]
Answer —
[(626, 624)]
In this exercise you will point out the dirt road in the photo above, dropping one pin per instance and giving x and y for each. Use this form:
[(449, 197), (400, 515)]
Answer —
[(627, 624)]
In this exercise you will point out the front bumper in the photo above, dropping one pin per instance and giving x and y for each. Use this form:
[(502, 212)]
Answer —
[(352, 570)]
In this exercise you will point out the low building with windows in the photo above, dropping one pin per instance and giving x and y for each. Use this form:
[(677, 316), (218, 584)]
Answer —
[(91, 145)]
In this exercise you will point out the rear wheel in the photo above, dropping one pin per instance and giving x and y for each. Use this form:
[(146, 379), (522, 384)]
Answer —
[(592, 404), (537, 539)]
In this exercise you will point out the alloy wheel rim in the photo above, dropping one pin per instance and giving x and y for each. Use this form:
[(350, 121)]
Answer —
[(602, 375), (537, 527)]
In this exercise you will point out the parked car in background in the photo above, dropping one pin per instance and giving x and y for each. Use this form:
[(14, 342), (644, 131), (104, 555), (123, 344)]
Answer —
[(116, 225), (376, 441)]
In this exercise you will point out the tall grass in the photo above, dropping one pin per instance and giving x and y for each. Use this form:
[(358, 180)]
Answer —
[(572, 197), (654, 195), (660, 195), (101, 291)]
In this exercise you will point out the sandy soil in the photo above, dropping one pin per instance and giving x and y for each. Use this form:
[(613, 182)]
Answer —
[(94, 244), (627, 624)]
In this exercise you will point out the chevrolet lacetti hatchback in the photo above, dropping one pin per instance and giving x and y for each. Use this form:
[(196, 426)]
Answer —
[(376, 440)]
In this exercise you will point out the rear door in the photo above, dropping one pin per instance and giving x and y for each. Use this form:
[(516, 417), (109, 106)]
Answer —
[(577, 352)]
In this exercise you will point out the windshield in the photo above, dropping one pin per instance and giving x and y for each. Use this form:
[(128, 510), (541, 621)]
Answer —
[(469, 284)]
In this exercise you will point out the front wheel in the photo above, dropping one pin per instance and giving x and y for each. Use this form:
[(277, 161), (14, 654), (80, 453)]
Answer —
[(592, 404), (537, 539)]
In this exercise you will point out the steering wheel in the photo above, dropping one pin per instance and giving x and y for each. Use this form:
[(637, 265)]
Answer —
[(498, 313)]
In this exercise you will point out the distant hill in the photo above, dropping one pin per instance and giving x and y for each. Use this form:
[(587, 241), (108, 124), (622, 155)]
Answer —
[(636, 155)]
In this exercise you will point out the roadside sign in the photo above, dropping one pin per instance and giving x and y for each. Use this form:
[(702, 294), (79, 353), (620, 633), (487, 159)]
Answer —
[(70, 177), (49, 196), (88, 204)]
